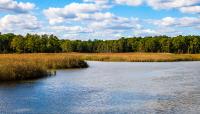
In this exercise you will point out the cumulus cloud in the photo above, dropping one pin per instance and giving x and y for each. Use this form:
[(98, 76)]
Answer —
[(97, 16), (116, 23), (72, 11), (129, 2), (104, 23), (178, 22), (190, 9), (168, 4), (13, 23), (92, 18), (14, 6), (71, 29), (167, 21), (114, 27), (145, 32), (121, 2), (185, 6), (157, 31), (97, 1)]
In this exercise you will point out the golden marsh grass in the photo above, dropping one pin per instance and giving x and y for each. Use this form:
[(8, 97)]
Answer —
[(21, 71), (138, 57), (29, 66)]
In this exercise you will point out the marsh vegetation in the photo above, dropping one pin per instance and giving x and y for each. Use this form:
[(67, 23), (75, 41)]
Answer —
[(55, 53), (137, 57), (30, 66)]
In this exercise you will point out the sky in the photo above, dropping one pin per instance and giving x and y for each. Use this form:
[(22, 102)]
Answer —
[(100, 19)]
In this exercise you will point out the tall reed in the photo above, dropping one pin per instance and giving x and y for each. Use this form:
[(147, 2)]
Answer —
[(139, 57), (21, 71), (30, 66)]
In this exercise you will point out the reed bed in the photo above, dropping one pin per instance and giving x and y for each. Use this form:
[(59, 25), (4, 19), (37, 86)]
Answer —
[(31, 66), (138, 57), (21, 71)]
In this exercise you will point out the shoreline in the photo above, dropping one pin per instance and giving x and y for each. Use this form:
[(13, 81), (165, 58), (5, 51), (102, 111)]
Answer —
[(138, 57), (24, 67), (116, 57), (36, 65)]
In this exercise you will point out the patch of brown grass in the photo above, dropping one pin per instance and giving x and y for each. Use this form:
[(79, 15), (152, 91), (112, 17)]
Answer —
[(21, 71), (29, 66), (138, 57)]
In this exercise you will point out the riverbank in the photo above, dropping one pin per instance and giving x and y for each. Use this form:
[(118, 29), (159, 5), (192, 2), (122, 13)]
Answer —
[(31, 66), (138, 57)]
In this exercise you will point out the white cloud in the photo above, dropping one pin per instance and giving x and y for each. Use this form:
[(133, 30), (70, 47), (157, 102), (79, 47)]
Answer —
[(100, 25), (190, 9), (129, 2), (72, 11), (71, 29), (145, 32), (95, 16), (89, 18), (92, 19), (177, 22), (14, 6), (168, 4), (167, 21), (188, 21), (97, 1), (21, 22), (156, 32), (121, 2), (185, 6), (116, 23)]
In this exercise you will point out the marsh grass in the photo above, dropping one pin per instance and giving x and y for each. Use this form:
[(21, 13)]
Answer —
[(31, 66), (138, 57), (21, 71)]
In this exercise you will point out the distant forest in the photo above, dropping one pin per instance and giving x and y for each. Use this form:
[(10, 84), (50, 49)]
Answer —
[(33, 43)]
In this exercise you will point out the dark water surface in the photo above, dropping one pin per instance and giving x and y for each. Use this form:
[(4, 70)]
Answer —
[(109, 88)]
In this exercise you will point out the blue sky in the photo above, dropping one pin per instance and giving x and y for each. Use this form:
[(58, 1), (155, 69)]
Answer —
[(100, 19)]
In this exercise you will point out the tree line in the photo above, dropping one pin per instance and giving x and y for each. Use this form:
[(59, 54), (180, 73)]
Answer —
[(33, 43)]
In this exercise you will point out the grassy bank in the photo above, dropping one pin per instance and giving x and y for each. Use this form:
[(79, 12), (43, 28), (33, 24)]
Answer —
[(21, 71), (31, 66), (138, 57)]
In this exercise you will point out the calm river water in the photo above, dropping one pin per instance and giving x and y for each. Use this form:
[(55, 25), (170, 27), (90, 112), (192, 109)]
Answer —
[(109, 88)]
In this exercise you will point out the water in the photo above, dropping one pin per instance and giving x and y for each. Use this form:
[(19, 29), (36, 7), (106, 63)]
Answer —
[(109, 88)]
